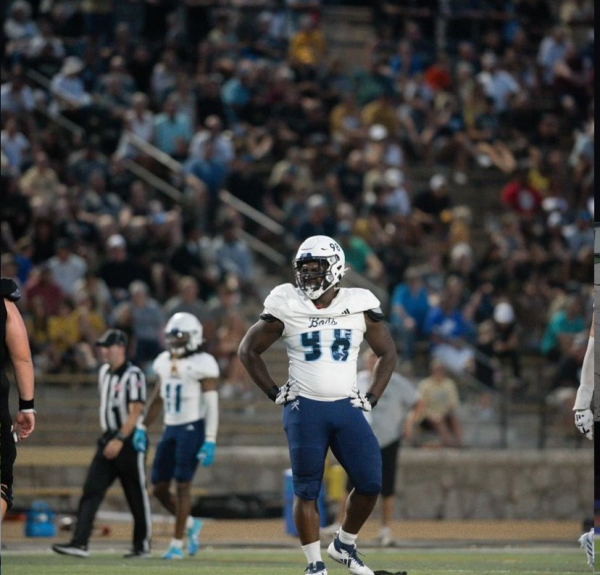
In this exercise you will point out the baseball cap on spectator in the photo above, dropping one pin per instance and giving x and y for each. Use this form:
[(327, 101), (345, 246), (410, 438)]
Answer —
[(113, 337), (378, 132), (503, 313), (71, 65), (393, 177), (116, 241), (316, 201), (437, 181)]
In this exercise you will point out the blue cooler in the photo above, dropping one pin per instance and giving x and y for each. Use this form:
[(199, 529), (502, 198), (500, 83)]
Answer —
[(40, 521), (288, 508)]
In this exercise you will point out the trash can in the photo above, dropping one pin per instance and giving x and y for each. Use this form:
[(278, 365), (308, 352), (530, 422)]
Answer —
[(288, 507)]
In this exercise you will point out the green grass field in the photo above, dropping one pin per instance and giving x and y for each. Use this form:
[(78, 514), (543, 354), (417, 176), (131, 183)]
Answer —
[(521, 561)]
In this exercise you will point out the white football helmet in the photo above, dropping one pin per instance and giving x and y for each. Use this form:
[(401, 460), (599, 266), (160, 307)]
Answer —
[(332, 265), (184, 333)]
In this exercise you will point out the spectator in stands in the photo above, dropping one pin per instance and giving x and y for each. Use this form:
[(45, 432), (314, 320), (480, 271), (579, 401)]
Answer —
[(507, 341), (319, 220), (144, 319), (563, 326), (15, 145), (67, 267), (360, 257), (230, 326), (213, 132), (41, 180), (449, 333), (68, 89), (88, 159), (19, 28), (519, 195), (140, 121), (16, 97), (119, 270), (486, 135), (41, 284), (552, 49), (437, 411), (308, 48), (409, 307), (431, 206), (233, 257), (171, 129)]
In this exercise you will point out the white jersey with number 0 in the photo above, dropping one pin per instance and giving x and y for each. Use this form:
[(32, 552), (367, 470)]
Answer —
[(180, 386), (322, 344)]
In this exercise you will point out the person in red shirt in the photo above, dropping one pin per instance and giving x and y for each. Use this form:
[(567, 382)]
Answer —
[(519, 195)]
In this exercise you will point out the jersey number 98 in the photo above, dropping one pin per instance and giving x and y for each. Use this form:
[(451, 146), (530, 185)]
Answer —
[(339, 346)]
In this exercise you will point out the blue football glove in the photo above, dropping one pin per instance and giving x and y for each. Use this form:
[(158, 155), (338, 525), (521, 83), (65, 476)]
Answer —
[(206, 455), (140, 439)]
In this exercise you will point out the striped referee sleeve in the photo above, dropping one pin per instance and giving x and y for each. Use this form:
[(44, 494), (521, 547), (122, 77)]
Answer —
[(136, 385)]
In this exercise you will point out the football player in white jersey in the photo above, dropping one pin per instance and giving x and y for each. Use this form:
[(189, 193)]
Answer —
[(584, 421), (323, 326), (187, 390)]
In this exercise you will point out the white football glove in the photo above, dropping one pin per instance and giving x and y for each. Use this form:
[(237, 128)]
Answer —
[(360, 401), (286, 393), (584, 421)]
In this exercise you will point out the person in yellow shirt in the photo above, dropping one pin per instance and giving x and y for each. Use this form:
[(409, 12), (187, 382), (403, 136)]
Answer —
[(437, 412), (308, 46), (381, 111)]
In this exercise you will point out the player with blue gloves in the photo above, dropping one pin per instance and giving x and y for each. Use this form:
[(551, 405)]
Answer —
[(187, 390)]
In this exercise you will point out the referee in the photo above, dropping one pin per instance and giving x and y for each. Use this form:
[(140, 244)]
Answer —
[(122, 388)]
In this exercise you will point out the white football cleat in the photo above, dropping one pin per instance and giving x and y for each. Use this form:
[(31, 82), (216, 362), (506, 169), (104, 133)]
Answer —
[(347, 555), (587, 542)]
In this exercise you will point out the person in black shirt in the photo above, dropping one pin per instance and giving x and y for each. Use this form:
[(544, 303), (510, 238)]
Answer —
[(14, 349), (122, 387), (430, 204)]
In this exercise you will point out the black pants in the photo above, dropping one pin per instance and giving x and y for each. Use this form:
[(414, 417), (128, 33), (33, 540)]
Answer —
[(8, 454), (129, 467)]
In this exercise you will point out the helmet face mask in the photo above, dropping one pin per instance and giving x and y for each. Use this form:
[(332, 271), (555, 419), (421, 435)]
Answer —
[(183, 334), (318, 266)]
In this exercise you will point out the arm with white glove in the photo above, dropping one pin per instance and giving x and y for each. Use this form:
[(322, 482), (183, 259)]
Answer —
[(584, 418)]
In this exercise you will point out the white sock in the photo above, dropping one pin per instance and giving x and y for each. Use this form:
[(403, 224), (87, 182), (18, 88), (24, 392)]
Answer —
[(347, 538), (189, 522), (177, 543), (312, 552)]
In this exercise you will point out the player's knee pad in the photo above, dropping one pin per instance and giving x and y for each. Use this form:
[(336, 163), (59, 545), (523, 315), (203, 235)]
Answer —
[(7, 495), (307, 490), (370, 487)]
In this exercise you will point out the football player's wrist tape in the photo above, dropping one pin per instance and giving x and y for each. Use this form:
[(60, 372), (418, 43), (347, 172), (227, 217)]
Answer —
[(584, 421), (26, 405), (372, 399), (211, 421), (583, 400), (272, 393)]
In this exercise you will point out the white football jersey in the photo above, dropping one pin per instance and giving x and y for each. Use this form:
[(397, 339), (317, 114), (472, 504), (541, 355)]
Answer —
[(180, 386), (322, 344)]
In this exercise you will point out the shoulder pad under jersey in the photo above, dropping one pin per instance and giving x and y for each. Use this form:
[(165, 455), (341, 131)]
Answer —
[(278, 301), (359, 300), (9, 289)]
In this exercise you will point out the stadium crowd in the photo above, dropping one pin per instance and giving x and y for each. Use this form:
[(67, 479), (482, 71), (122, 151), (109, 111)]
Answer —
[(250, 97)]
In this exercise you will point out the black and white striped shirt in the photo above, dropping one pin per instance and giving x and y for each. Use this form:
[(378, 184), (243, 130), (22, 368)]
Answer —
[(117, 390)]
